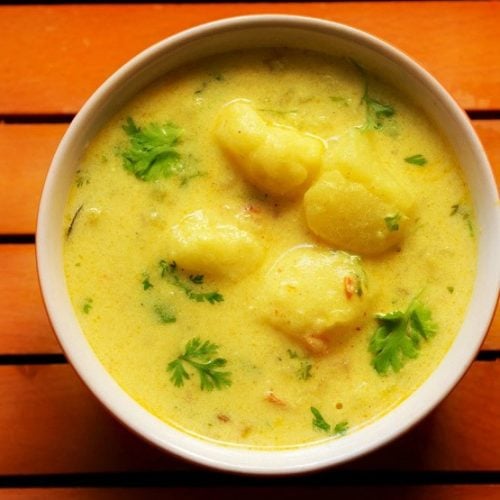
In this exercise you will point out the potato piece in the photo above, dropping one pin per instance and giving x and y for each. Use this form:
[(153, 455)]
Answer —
[(199, 245), (358, 205), (278, 160), (309, 293), (350, 217), (354, 156)]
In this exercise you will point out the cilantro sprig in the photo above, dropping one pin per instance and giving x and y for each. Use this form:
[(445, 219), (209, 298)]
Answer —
[(376, 111), (465, 212), (399, 335), (305, 367), (165, 314), (87, 305), (152, 150), (320, 424), (392, 222), (170, 271), (146, 284), (418, 159), (200, 356)]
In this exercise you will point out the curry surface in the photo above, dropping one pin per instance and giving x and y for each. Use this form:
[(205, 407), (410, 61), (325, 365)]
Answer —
[(122, 232)]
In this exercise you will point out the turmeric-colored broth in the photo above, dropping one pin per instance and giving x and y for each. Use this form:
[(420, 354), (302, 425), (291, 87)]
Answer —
[(288, 347)]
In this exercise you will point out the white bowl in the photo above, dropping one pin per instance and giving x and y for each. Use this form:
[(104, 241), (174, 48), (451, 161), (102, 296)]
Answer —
[(240, 33)]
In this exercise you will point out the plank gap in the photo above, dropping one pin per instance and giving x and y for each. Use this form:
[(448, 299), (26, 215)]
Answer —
[(483, 114), (36, 118), (202, 478), (493, 355), (32, 359), (17, 239)]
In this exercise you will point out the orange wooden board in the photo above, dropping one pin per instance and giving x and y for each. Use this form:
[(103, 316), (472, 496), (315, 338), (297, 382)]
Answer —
[(50, 423), (24, 325), (53, 57), (431, 492), (27, 150)]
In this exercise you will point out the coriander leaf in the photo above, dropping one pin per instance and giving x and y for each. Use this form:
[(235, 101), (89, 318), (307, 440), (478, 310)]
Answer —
[(341, 428), (171, 273), (152, 153), (305, 367), (210, 378), (421, 320), (465, 212), (165, 314), (87, 305), (419, 160), (179, 374), (195, 347), (146, 284), (81, 179), (319, 423), (218, 77), (304, 371), (211, 297), (392, 222), (398, 336), (376, 111), (450, 289), (198, 355)]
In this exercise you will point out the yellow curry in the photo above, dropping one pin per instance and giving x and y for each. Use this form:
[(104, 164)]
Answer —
[(269, 248)]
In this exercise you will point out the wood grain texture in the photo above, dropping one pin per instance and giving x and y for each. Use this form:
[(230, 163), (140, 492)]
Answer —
[(24, 325), (50, 423), (489, 134), (27, 150), (431, 492), (53, 57)]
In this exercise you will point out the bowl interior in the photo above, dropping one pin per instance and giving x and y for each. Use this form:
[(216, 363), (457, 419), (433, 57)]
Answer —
[(241, 33)]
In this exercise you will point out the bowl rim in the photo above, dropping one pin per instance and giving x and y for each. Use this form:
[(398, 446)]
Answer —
[(242, 459)]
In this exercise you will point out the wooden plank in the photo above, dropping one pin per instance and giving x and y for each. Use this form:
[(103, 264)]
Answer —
[(53, 57), (489, 134), (49, 423), (24, 325), (492, 340), (413, 492), (26, 152)]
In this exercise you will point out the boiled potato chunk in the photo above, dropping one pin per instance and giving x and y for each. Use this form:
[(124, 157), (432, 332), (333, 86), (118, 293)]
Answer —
[(278, 160), (200, 245), (311, 293), (355, 157), (351, 217)]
